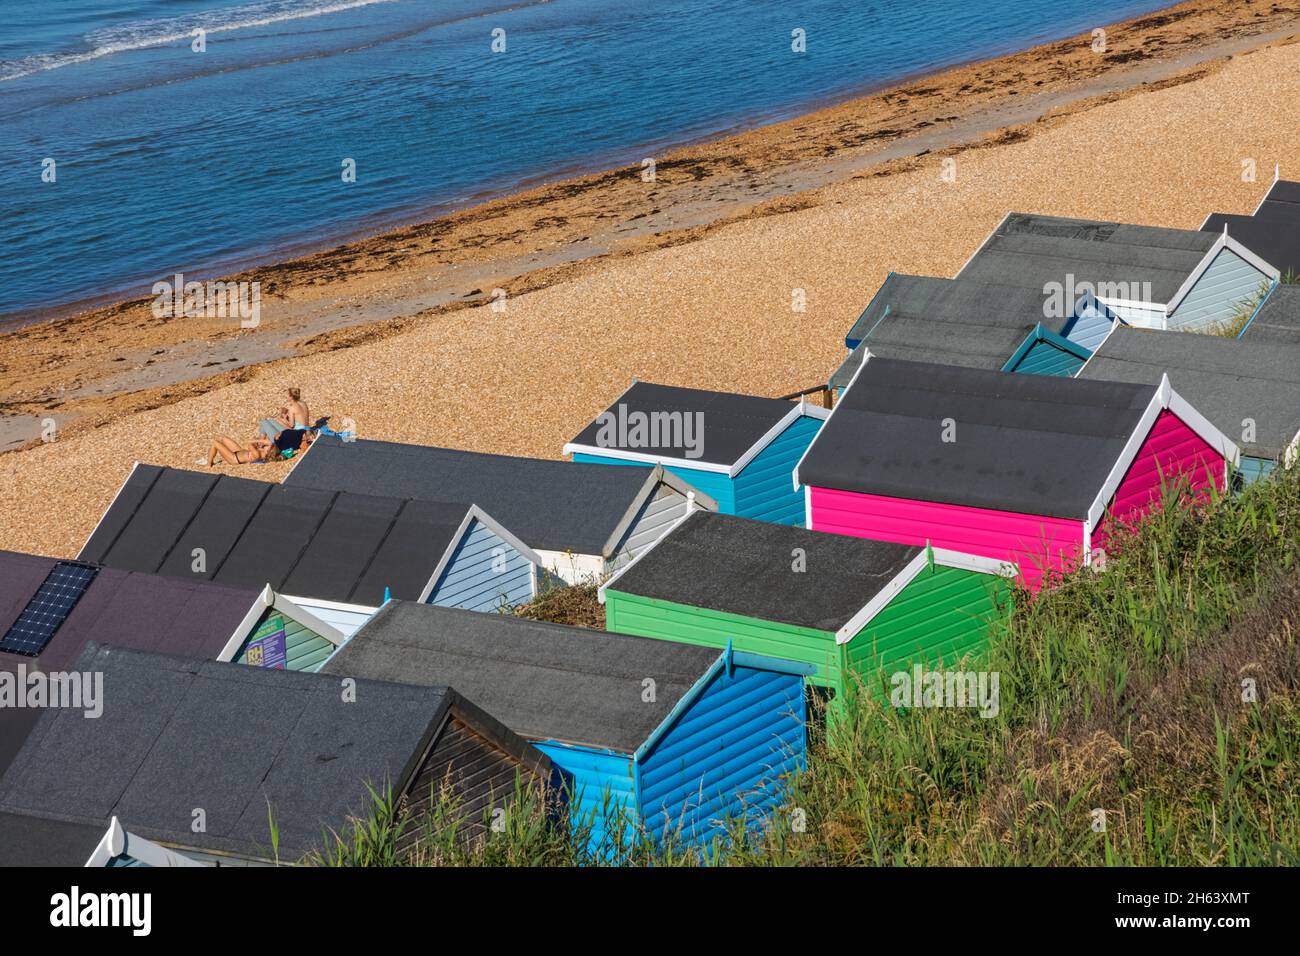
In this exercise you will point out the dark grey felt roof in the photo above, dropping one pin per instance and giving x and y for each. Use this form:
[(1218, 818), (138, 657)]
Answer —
[(330, 545), (746, 567), (178, 734), (31, 840), (1226, 380), (129, 609), (731, 424), (1278, 320), (985, 306), (555, 505), (1026, 443), (982, 339), (1272, 232), (544, 681), (1031, 251)]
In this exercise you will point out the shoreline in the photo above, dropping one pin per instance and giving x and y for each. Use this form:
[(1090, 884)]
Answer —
[(378, 224), (93, 367), (687, 281)]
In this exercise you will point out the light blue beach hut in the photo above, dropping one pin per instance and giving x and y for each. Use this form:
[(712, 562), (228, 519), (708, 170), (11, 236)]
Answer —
[(740, 450)]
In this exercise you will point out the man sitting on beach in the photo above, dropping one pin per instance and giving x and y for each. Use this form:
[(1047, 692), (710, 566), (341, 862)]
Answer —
[(294, 415)]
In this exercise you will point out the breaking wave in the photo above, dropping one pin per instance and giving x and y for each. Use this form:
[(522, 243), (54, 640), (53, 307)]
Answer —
[(151, 33)]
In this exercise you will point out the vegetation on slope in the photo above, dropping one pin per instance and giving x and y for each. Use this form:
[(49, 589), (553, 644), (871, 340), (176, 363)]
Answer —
[(1148, 715)]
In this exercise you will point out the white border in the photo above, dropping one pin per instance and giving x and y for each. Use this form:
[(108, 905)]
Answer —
[(1291, 452), (1164, 398), (117, 840), (1224, 241), (660, 475), (942, 557), (987, 239), (691, 508), (1277, 176), (268, 599), (117, 494), (476, 513)]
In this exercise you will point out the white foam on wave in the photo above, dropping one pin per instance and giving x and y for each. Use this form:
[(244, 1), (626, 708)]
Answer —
[(151, 33)]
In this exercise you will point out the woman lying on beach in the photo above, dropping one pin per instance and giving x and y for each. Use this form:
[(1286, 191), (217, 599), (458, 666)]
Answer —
[(294, 415), (233, 453)]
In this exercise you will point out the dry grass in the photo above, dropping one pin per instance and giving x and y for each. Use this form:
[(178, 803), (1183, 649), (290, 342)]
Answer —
[(576, 605)]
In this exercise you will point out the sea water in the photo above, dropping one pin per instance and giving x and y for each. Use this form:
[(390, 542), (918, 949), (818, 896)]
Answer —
[(133, 146)]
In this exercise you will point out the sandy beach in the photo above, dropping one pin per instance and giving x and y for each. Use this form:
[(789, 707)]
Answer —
[(686, 280)]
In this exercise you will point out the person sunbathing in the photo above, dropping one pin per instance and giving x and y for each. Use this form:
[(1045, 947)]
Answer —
[(233, 453), (293, 416)]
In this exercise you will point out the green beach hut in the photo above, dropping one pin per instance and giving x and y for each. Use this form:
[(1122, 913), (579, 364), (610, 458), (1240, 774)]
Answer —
[(843, 604)]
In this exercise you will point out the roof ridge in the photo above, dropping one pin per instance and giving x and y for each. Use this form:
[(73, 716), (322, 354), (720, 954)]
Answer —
[(471, 655)]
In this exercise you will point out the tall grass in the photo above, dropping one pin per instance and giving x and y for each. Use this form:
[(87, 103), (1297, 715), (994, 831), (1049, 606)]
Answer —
[(1149, 715)]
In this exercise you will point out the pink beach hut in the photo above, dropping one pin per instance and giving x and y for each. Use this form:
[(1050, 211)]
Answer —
[(1030, 470)]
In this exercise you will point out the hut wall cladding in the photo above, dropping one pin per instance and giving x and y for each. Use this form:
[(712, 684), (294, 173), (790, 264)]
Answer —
[(470, 770), (600, 783), (1254, 469), (1035, 543), (763, 487), (944, 616), (1044, 358), (1140, 317), (940, 615), (724, 757), (655, 517), (669, 621), (1229, 286), (1089, 326), (485, 573), (1171, 451), (305, 649), (344, 620)]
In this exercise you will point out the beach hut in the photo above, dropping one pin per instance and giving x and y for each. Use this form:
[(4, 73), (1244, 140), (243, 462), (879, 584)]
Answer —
[(234, 765), (674, 736), (843, 605), (340, 554), (33, 839), (1145, 276), (50, 610), (965, 323), (1272, 230), (583, 520), (1043, 352), (1020, 468), (1278, 318), (1246, 388), (738, 449)]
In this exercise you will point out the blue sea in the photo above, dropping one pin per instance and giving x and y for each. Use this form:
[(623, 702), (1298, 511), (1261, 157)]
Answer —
[(169, 159)]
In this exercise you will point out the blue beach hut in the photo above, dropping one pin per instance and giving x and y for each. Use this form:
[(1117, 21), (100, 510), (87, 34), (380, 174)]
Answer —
[(740, 450), (676, 737)]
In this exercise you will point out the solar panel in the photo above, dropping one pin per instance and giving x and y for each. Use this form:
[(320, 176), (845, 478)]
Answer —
[(48, 608)]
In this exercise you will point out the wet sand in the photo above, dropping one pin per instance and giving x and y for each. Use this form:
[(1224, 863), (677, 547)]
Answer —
[(687, 280)]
